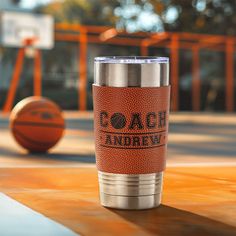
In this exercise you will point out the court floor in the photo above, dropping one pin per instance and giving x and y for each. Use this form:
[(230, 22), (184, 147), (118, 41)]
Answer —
[(57, 193)]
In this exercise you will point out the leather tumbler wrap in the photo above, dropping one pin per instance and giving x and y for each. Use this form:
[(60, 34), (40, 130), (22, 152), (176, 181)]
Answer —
[(131, 127)]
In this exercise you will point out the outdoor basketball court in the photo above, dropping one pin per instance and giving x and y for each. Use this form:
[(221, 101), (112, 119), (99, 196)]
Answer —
[(57, 193)]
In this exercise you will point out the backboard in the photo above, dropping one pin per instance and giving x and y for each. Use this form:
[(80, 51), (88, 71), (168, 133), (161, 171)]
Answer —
[(17, 27)]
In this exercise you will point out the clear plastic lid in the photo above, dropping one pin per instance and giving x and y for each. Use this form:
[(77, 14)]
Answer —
[(131, 59)]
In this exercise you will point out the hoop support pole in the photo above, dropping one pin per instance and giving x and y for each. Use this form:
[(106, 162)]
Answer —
[(15, 80), (37, 74)]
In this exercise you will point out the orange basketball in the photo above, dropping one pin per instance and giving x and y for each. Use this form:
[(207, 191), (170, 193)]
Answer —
[(37, 124)]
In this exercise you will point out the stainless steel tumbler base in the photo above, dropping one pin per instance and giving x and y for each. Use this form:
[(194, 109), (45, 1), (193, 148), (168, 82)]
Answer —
[(130, 192)]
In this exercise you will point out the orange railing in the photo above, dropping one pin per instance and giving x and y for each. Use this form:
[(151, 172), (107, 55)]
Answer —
[(173, 41)]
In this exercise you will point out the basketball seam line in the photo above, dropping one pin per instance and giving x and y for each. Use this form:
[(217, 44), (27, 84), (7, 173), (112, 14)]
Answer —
[(19, 123), (31, 140), (35, 107)]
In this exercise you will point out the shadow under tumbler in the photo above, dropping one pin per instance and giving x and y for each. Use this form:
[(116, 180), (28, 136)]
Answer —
[(131, 98)]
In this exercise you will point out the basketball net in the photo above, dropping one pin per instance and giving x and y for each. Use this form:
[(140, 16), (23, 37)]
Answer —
[(30, 49)]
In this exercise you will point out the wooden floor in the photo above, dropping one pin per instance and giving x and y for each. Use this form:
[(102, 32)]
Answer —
[(199, 195)]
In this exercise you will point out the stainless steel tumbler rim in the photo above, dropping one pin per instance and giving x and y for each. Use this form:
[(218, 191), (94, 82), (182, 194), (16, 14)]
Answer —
[(132, 59), (131, 71)]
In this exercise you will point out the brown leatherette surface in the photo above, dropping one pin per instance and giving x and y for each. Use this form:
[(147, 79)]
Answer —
[(131, 126)]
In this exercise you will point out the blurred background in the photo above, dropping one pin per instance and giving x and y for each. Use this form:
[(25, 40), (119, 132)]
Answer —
[(198, 36)]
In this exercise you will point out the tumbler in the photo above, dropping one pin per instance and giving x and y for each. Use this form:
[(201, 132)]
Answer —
[(131, 98)]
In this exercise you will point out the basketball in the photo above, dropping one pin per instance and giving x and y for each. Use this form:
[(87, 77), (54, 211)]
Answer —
[(37, 124), (118, 121)]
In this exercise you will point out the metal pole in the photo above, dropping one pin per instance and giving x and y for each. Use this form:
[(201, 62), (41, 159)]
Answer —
[(196, 83), (144, 48), (37, 74), (174, 48), (82, 70), (229, 83), (15, 80)]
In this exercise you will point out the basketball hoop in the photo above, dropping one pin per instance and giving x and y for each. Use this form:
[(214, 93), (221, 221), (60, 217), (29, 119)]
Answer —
[(16, 28), (30, 49), (30, 33)]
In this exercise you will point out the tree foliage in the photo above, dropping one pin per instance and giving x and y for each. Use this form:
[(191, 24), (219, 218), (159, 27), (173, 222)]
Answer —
[(89, 12), (201, 16)]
